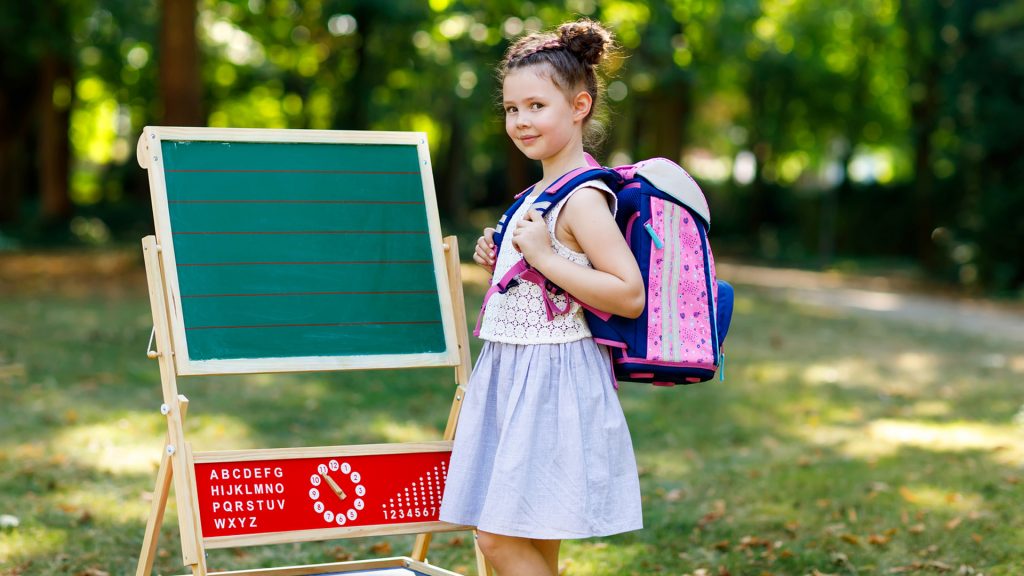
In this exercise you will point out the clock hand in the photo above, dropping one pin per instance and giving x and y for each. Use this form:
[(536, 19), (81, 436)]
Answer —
[(334, 487)]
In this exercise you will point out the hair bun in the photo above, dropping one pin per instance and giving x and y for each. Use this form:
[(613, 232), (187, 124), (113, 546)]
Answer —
[(587, 39)]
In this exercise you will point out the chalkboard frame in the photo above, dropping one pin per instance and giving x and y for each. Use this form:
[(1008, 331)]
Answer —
[(149, 152)]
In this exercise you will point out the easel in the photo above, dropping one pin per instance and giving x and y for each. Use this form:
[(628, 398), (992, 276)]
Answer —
[(181, 466)]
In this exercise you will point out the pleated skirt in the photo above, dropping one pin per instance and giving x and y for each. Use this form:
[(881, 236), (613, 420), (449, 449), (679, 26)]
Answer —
[(542, 449)]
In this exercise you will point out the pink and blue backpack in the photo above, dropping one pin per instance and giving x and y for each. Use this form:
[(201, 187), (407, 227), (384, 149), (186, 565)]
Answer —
[(665, 219)]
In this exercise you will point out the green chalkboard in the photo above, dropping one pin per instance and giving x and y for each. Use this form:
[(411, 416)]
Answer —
[(289, 250)]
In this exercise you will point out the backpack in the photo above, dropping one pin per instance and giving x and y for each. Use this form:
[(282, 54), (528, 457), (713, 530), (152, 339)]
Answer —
[(664, 218)]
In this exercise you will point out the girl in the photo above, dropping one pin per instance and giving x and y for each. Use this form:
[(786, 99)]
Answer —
[(542, 451)]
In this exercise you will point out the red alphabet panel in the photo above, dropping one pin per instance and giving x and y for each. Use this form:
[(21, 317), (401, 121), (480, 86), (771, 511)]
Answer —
[(256, 497)]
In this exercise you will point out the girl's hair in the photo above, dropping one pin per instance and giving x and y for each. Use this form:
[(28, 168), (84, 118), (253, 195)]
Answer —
[(572, 52)]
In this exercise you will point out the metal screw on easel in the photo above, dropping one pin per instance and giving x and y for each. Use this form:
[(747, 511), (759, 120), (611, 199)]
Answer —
[(170, 449), (165, 409)]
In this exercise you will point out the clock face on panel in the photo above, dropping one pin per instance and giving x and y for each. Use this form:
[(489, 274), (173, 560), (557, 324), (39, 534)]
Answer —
[(336, 492)]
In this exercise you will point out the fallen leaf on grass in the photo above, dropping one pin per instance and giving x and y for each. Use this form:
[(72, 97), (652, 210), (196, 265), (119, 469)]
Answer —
[(674, 495), (907, 494), (952, 524), (340, 554), (878, 539), (977, 538), (382, 548), (93, 571), (929, 551), (850, 539), (932, 565), (753, 542), (916, 529)]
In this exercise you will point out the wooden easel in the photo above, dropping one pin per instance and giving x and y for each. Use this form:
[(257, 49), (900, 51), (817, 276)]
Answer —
[(177, 462), (179, 465)]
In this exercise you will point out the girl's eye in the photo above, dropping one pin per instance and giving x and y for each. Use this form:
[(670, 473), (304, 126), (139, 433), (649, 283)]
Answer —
[(510, 110), (536, 106)]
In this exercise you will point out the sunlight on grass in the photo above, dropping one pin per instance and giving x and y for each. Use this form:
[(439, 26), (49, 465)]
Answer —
[(887, 436), (942, 500), (31, 541), (115, 446), (582, 558), (219, 432), (770, 372), (906, 373), (103, 504), (392, 431), (953, 437)]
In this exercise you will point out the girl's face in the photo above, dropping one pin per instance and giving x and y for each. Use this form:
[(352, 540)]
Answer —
[(539, 118)]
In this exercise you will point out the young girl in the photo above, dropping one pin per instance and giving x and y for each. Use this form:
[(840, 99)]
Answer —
[(542, 451)]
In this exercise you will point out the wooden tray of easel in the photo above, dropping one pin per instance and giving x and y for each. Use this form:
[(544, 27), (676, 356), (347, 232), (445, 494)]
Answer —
[(292, 251)]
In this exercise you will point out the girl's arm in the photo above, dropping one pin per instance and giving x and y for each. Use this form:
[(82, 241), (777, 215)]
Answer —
[(614, 283)]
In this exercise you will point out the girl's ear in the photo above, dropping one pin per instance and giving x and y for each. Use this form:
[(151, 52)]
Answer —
[(581, 105)]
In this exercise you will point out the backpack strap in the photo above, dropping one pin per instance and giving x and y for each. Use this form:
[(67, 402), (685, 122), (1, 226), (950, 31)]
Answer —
[(551, 196)]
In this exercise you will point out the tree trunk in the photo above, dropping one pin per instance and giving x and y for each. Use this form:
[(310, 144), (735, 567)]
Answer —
[(53, 143), (180, 80), (356, 114), (451, 195), (15, 109), (924, 112), (669, 121)]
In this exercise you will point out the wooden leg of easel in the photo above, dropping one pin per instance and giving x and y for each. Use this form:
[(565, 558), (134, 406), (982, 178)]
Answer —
[(419, 549), (483, 567), (157, 508), (199, 568), (184, 489)]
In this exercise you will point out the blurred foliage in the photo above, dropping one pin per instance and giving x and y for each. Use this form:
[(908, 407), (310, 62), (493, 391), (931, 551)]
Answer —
[(877, 128)]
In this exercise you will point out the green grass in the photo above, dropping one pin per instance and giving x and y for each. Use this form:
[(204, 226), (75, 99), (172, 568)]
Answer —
[(837, 444)]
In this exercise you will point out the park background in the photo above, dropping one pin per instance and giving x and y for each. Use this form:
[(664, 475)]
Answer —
[(875, 142)]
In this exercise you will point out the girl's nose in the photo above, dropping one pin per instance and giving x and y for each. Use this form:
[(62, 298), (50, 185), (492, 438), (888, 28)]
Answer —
[(522, 121)]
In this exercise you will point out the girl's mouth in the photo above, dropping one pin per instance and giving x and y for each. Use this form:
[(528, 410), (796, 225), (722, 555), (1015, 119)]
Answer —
[(527, 139)]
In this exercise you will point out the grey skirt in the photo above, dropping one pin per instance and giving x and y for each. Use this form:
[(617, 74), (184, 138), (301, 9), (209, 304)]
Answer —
[(542, 449)]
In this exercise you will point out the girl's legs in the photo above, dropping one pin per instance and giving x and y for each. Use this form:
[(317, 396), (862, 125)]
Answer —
[(514, 556), (549, 550)]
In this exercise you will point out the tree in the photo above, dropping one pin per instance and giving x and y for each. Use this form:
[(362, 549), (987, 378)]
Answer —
[(180, 79)]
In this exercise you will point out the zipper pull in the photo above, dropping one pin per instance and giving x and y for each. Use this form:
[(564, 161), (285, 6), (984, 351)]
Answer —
[(721, 366), (654, 236)]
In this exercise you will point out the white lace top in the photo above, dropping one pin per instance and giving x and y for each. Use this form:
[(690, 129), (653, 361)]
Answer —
[(517, 316)]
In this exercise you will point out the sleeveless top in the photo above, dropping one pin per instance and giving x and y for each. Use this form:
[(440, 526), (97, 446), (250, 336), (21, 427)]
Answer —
[(517, 316)]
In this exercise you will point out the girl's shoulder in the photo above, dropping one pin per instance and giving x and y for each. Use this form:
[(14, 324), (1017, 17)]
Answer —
[(590, 195)]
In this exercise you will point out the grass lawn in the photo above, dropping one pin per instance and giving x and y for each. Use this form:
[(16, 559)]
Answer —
[(836, 445)]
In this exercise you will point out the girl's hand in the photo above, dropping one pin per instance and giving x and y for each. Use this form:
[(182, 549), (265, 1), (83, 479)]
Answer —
[(485, 253), (531, 237)]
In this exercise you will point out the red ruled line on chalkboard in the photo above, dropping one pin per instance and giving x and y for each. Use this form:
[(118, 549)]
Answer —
[(306, 232), (389, 202), (329, 263), (389, 292), (371, 172), (328, 324)]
